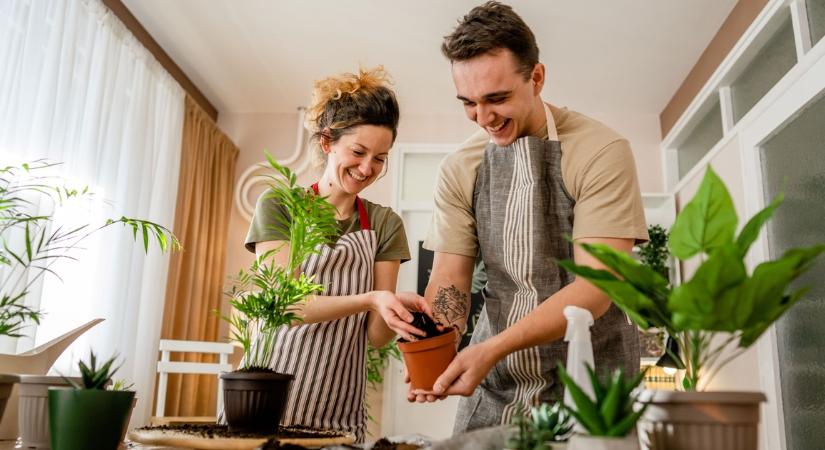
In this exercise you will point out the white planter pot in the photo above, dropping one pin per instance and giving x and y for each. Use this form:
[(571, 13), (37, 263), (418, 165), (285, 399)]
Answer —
[(700, 420), (581, 442), (33, 408)]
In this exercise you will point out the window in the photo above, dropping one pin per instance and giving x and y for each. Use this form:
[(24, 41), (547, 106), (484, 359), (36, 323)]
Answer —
[(704, 135), (816, 19), (793, 159), (767, 66)]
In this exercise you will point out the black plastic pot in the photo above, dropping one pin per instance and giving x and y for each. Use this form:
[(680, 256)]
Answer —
[(254, 401), (83, 419)]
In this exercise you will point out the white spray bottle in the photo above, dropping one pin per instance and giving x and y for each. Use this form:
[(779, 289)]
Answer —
[(579, 351)]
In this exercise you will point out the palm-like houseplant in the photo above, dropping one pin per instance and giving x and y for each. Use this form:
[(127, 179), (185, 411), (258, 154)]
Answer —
[(722, 310), (263, 298), (31, 241)]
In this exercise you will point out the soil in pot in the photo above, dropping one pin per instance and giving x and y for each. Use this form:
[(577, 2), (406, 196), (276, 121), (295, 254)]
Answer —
[(427, 358), (254, 401)]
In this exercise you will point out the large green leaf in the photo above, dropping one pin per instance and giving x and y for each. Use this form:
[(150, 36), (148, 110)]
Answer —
[(707, 222), (643, 278), (641, 309), (700, 303), (751, 229)]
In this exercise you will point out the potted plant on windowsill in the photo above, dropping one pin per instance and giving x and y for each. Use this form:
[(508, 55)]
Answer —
[(608, 416), (716, 315), (262, 299), (32, 242), (89, 416)]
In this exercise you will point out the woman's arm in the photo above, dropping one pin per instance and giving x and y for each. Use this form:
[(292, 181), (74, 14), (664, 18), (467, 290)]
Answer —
[(381, 303)]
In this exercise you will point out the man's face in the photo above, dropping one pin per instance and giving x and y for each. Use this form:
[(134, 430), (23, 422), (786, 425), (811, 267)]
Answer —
[(498, 98)]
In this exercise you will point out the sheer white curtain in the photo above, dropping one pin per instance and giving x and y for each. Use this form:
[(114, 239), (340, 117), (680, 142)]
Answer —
[(76, 87)]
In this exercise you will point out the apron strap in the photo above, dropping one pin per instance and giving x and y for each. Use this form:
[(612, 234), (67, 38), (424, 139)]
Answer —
[(363, 217)]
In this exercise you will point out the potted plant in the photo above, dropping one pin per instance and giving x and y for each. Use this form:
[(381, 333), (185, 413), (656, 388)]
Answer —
[(262, 297), (33, 242), (542, 427), (427, 358), (89, 416), (608, 416), (716, 315)]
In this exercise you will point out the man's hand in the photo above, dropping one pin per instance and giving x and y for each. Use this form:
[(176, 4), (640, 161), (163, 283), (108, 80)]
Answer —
[(462, 376)]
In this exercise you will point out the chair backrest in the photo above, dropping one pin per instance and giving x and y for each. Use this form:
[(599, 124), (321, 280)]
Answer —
[(166, 366)]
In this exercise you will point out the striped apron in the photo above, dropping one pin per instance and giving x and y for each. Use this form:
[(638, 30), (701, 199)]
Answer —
[(523, 215), (328, 359)]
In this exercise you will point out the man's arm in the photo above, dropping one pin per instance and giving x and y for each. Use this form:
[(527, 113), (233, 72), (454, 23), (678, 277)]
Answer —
[(448, 291), (546, 323)]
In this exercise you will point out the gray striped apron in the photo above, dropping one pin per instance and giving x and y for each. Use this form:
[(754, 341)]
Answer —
[(523, 216), (328, 358)]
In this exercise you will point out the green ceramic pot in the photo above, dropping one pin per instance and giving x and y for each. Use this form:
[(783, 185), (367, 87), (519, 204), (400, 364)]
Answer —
[(83, 419)]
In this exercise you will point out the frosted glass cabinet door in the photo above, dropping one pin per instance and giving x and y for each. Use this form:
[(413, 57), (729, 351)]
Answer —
[(797, 154), (420, 174)]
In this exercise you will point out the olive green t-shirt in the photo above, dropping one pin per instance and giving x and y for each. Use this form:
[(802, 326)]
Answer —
[(388, 227)]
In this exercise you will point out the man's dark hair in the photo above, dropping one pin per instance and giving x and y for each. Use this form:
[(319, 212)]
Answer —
[(490, 27)]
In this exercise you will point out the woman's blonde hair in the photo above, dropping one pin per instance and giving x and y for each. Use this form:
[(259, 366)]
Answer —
[(348, 100)]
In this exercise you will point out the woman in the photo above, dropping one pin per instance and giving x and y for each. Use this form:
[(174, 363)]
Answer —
[(354, 121)]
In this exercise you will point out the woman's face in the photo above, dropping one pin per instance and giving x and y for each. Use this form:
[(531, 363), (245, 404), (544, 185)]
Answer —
[(358, 158)]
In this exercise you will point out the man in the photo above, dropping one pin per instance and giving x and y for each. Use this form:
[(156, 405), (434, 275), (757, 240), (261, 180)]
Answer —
[(516, 191)]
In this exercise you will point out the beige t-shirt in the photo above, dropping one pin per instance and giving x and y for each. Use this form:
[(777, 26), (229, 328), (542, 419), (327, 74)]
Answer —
[(598, 171)]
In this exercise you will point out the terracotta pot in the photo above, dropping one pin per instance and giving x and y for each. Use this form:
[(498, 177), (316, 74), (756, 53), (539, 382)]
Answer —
[(33, 408), (6, 384), (254, 401), (582, 442), (426, 359), (700, 420)]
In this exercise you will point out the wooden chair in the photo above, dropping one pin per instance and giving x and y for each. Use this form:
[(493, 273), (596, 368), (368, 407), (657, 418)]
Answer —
[(166, 366)]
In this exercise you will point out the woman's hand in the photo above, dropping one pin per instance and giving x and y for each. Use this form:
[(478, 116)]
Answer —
[(396, 313)]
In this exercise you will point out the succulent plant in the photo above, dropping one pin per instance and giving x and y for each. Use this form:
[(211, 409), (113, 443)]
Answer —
[(539, 426), (92, 376)]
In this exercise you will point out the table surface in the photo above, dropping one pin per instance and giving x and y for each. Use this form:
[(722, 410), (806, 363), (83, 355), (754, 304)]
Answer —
[(12, 445)]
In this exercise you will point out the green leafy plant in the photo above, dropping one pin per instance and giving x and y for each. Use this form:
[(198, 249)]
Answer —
[(31, 242), (122, 385), (263, 296), (377, 360), (539, 426), (610, 413), (722, 310), (92, 376), (654, 253)]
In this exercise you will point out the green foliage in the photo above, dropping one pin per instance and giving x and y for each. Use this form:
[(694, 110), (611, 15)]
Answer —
[(721, 298), (263, 297), (611, 412), (654, 253), (377, 359), (31, 243), (539, 426), (92, 376), (122, 385)]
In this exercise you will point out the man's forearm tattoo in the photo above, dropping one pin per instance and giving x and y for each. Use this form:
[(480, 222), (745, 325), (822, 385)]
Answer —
[(451, 306)]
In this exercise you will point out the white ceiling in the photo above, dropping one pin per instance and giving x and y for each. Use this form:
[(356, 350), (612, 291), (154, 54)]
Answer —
[(261, 56)]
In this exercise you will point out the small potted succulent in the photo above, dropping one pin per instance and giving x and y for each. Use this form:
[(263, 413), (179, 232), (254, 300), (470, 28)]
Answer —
[(427, 358), (713, 317), (542, 427), (89, 416), (262, 299), (608, 416)]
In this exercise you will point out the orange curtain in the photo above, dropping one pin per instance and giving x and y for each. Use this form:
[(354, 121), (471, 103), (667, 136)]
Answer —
[(196, 275)]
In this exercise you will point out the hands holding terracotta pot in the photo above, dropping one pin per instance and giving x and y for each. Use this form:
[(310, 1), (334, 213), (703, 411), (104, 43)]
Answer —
[(395, 310), (461, 377)]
